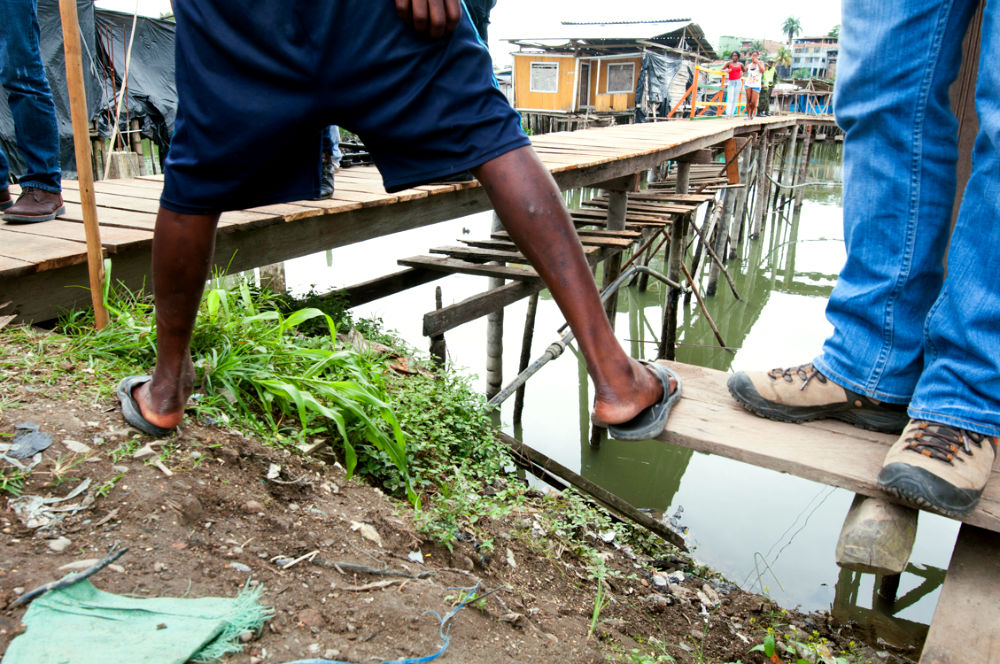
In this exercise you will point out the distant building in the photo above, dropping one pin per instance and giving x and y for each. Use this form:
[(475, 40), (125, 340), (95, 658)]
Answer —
[(817, 55), (595, 67), (729, 43)]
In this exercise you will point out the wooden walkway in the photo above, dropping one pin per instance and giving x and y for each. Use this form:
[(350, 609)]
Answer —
[(965, 628), (42, 266)]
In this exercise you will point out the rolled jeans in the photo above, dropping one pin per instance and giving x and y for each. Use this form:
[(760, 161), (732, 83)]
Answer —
[(906, 329), (29, 96), (329, 143), (732, 95)]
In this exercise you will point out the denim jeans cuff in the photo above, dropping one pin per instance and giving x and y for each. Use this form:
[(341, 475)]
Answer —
[(839, 378), (44, 187), (954, 420)]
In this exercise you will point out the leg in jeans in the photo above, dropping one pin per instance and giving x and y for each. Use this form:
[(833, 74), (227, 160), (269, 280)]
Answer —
[(900, 153), (960, 383), (29, 96)]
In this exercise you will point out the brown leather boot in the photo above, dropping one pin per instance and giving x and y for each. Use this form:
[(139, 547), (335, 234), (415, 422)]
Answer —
[(5, 201), (34, 205)]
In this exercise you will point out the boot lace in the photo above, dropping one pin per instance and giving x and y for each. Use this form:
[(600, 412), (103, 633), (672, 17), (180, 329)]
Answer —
[(806, 372), (943, 442)]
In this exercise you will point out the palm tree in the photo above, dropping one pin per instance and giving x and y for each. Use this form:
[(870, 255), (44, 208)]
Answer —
[(783, 59), (791, 27)]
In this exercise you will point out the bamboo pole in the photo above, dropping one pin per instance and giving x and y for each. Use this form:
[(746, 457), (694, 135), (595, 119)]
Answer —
[(84, 169)]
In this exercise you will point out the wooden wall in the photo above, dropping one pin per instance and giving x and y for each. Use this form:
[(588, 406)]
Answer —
[(524, 98), (600, 99)]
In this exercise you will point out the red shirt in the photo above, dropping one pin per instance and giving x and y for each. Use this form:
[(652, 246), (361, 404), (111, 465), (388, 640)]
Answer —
[(735, 71)]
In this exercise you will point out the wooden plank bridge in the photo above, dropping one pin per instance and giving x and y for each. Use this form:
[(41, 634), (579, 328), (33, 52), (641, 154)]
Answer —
[(42, 266)]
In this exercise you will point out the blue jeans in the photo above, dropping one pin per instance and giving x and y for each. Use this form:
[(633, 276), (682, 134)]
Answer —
[(29, 96), (732, 96), (330, 142), (906, 330)]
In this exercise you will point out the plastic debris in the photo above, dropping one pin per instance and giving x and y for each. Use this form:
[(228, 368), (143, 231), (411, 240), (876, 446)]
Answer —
[(38, 512), (367, 531), (28, 441), (416, 556)]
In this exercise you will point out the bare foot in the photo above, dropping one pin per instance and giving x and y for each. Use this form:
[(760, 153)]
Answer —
[(162, 400), (615, 404)]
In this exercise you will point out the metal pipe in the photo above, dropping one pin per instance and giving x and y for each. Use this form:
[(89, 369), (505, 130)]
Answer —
[(557, 348)]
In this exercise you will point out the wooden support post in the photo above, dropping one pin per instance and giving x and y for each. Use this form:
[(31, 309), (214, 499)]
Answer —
[(763, 185), (721, 237), (617, 206), (877, 536), (494, 335), (733, 147), (803, 173), (966, 624), (526, 339), (439, 349), (81, 144), (739, 208), (683, 177), (272, 277), (675, 254), (788, 161)]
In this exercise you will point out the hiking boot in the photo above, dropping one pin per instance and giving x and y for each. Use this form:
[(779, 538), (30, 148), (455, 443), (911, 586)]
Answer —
[(802, 394), (5, 201), (938, 467), (35, 205)]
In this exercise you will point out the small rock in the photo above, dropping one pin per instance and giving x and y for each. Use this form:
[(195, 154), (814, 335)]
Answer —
[(313, 648), (273, 471), (253, 507), (120, 469), (512, 618), (310, 618), (331, 653), (19, 590), (240, 567), (510, 559), (697, 635), (256, 660), (660, 581), (159, 567), (59, 544), (367, 531), (246, 636)]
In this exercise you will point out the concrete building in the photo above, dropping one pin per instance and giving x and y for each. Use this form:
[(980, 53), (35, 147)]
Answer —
[(817, 55)]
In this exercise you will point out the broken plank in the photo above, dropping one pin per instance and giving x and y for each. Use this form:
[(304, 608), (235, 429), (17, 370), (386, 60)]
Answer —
[(585, 239), (447, 318), (462, 267), (389, 284), (476, 255)]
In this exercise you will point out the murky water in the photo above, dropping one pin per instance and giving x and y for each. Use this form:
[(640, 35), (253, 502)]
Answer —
[(767, 531)]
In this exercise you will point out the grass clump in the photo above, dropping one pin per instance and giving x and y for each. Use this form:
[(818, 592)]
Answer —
[(254, 366)]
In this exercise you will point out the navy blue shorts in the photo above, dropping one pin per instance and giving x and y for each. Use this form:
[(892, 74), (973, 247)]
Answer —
[(257, 83)]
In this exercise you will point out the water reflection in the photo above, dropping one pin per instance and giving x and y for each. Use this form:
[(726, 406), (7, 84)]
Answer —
[(770, 532)]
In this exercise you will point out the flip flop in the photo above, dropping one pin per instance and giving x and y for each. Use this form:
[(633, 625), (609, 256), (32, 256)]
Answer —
[(653, 420), (130, 407)]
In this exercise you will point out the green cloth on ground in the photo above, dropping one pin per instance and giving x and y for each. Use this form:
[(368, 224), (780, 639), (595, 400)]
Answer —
[(83, 625)]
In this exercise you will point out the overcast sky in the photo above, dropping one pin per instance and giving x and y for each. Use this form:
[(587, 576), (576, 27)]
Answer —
[(518, 18)]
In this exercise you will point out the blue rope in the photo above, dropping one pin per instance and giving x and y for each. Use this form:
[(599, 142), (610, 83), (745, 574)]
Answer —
[(442, 631)]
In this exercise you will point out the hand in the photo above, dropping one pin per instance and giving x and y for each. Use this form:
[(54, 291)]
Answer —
[(435, 18)]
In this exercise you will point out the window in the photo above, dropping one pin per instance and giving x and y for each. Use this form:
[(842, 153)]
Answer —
[(544, 77), (621, 78)]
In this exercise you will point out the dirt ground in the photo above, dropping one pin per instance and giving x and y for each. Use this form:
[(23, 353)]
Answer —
[(224, 509)]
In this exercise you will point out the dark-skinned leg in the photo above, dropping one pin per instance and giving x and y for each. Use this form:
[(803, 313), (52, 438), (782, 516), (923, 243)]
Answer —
[(531, 208), (182, 254)]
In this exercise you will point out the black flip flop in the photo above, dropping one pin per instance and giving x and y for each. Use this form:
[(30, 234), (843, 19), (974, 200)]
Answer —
[(653, 420), (130, 407)]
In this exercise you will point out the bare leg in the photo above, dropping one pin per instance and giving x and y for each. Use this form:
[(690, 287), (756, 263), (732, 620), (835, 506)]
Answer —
[(182, 253), (528, 203)]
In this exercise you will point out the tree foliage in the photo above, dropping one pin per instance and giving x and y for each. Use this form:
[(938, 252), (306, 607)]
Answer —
[(791, 27)]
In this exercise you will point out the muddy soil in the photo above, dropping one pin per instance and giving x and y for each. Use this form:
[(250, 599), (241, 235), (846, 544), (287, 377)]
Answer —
[(222, 509)]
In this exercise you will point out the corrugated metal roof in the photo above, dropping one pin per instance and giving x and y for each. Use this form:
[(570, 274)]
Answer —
[(678, 33)]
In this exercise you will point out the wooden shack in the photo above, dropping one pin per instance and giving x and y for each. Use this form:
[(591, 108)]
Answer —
[(587, 73)]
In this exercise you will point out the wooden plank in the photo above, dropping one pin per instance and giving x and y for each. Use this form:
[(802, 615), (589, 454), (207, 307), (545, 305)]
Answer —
[(45, 252), (12, 267), (108, 217), (476, 255), (707, 419), (452, 265), (448, 318), (112, 238), (585, 239), (396, 282), (966, 624)]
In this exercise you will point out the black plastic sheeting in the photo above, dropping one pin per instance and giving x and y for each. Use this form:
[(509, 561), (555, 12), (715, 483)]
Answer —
[(152, 94), (667, 78)]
